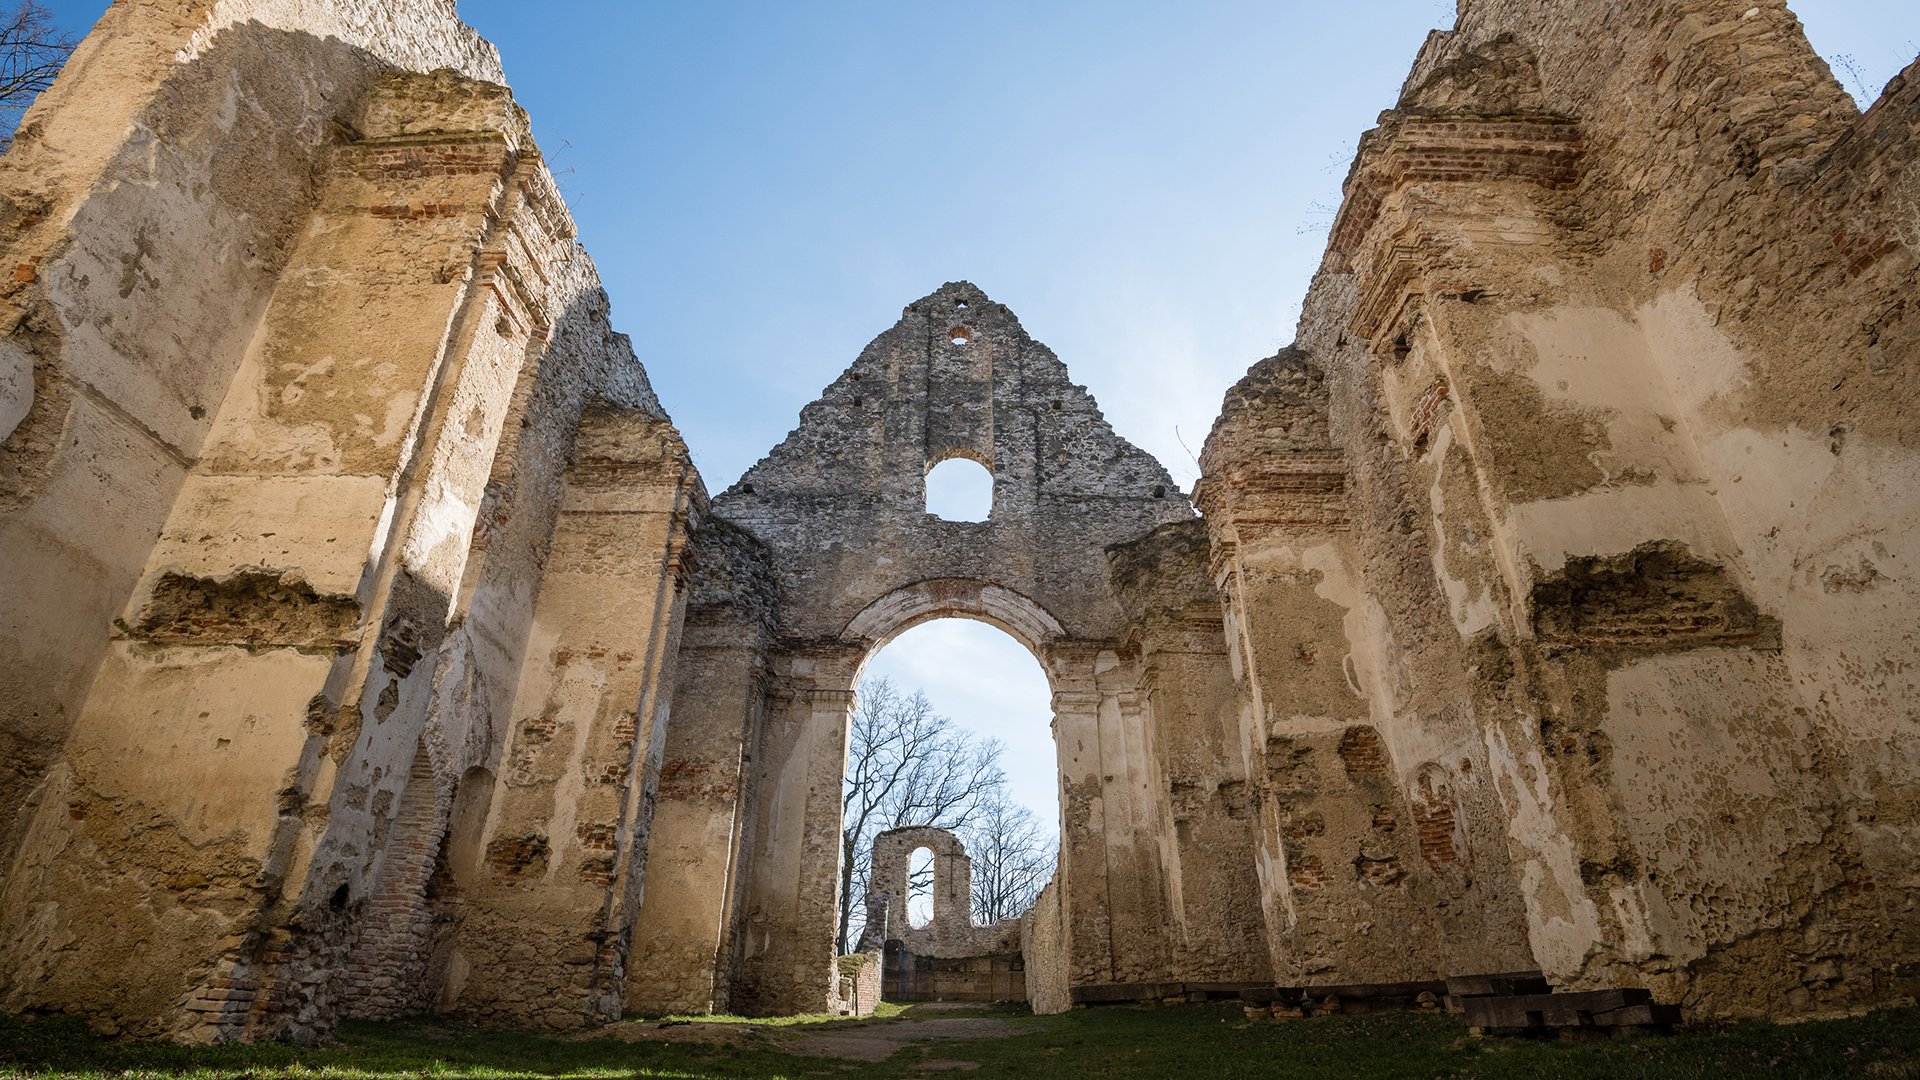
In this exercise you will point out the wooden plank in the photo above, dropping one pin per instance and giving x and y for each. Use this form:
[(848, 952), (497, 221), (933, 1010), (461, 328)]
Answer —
[(1504, 984), (1121, 993), (1551, 1010)]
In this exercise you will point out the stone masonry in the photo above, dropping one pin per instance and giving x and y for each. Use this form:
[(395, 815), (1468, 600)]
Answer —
[(951, 957), (369, 645)]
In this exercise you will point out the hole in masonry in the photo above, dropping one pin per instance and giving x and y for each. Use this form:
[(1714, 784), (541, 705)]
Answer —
[(1159, 491), (1055, 406), (960, 335), (960, 489), (959, 305), (920, 887)]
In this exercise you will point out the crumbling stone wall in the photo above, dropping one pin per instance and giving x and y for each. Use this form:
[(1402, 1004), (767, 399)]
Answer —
[(1611, 323), (838, 514), (684, 947), (307, 372), (371, 646), (950, 957)]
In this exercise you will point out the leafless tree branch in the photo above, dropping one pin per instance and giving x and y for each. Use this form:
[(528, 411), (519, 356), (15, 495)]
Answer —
[(906, 765), (33, 49), (1013, 859)]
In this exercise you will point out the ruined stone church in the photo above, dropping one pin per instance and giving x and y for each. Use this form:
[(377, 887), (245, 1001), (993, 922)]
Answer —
[(369, 644)]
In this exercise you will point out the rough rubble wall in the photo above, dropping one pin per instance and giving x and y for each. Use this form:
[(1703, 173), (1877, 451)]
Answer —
[(353, 507), (950, 957), (1616, 328), (841, 508), (957, 376), (1043, 953)]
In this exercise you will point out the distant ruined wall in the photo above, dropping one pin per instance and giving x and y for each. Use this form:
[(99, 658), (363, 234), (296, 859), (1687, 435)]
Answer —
[(298, 345), (950, 957), (1615, 329), (950, 930)]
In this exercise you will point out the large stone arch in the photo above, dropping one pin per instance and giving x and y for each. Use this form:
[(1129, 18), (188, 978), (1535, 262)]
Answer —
[(909, 606), (846, 556)]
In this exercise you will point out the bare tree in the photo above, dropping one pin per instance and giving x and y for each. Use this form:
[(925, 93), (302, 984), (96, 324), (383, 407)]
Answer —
[(33, 48), (1013, 858), (906, 765)]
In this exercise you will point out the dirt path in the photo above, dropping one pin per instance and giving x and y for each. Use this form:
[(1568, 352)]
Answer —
[(882, 1039)]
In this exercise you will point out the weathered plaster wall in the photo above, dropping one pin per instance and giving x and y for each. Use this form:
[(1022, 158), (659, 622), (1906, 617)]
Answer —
[(274, 790), (1613, 321), (1551, 606), (683, 944), (1371, 867), (152, 197), (566, 847), (1190, 700)]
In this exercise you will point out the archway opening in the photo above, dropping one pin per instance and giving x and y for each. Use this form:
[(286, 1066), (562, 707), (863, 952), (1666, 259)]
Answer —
[(960, 489), (973, 708)]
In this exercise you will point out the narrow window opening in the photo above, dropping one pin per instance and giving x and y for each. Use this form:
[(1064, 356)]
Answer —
[(960, 489), (920, 887), (960, 335)]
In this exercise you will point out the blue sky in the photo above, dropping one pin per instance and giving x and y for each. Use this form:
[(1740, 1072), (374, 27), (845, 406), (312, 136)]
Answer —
[(1147, 185)]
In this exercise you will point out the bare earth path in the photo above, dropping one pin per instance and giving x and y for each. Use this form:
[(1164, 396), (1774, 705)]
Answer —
[(861, 1040)]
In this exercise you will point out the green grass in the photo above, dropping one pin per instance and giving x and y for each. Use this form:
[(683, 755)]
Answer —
[(1192, 1041)]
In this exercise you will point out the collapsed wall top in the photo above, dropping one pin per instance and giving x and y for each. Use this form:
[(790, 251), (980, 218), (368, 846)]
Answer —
[(957, 376)]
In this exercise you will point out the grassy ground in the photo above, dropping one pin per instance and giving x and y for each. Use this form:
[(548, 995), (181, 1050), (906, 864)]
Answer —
[(1191, 1041)]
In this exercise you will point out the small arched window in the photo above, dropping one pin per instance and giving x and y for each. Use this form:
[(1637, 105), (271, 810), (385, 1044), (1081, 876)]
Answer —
[(920, 887), (960, 489)]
